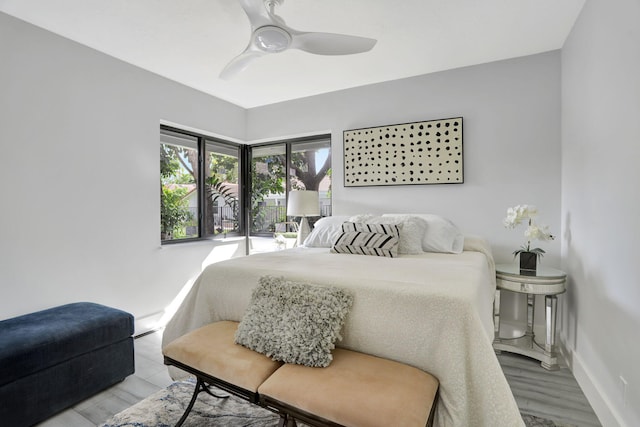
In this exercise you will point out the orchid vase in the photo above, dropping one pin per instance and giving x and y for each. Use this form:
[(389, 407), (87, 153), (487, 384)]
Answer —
[(528, 263)]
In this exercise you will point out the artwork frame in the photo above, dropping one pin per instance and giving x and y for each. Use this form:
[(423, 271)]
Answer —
[(416, 153)]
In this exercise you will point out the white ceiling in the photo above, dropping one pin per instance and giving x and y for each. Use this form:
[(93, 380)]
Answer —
[(190, 41)]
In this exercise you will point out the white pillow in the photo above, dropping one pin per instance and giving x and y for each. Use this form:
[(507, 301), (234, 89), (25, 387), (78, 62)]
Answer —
[(325, 231), (363, 218), (441, 234), (411, 231)]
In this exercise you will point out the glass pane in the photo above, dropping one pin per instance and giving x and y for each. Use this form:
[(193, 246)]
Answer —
[(221, 193), (268, 189), (311, 170), (179, 188)]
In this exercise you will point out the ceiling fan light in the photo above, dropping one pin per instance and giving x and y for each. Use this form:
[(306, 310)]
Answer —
[(271, 39)]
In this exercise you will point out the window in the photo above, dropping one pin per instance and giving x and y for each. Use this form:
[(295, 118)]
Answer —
[(268, 188), (276, 168), (199, 181), (311, 170), (223, 192)]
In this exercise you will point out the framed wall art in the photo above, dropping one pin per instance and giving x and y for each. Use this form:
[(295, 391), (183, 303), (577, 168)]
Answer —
[(428, 152)]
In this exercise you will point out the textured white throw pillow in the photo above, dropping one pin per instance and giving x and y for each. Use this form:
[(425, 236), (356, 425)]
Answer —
[(441, 234), (325, 231), (294, 322)]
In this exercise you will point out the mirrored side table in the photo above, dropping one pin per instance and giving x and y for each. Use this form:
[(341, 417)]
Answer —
[(549, 282)]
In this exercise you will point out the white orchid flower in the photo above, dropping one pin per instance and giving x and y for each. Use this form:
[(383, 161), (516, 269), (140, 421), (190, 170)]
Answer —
[(535, 232), (526, 213)]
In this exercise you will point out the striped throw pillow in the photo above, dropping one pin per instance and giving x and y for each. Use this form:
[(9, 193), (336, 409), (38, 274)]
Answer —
[(368, 239)]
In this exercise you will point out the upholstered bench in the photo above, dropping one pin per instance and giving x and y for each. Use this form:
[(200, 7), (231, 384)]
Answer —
[(212, 356), (55, 358), (355, 390)]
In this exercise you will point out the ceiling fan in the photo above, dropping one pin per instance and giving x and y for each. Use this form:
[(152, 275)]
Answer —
[(270, 34)]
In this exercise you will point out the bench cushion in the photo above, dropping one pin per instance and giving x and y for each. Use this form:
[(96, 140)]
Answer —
[(356, 390), (37, 341), (211, 349)]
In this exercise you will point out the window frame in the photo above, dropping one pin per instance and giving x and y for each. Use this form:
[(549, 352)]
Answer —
[(243, 177), (288, 143)]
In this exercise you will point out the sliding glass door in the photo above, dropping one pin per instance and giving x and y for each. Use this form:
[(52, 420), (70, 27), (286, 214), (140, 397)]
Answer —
[(276, 169), (268, 188)]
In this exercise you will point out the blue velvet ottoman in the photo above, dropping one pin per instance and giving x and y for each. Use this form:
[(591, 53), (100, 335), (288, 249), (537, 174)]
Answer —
[(55, 358)]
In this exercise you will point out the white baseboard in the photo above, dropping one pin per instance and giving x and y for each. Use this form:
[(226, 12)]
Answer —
[(148, 323), (600, 403)]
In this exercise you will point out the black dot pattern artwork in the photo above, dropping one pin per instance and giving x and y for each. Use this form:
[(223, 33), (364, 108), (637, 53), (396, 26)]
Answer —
[(414, 153)]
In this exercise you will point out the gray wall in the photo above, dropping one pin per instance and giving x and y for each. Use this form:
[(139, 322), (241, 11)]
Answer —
[(79, 138), (601, 206), (511, 112)]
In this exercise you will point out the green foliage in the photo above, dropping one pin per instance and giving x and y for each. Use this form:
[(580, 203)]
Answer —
[(225, 167), (184, 178), (263, 184), (218, 189), (169, 164), (174, 211), (539, 252), (172, 167), (287, 235)]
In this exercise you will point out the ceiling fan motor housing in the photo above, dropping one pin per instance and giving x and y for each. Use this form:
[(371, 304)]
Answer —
[(271, 39)]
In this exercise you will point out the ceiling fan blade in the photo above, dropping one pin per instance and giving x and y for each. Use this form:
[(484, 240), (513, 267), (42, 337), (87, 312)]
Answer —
[(331, 44), (240, 62), (257, 13)]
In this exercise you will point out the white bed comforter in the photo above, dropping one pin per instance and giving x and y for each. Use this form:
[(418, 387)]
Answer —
[(432, 311)]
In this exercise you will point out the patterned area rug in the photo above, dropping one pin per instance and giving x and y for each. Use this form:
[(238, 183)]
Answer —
[(165, 407), (532, 421)]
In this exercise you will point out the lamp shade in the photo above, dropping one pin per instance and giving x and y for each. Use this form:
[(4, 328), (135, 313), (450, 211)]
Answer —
[(303, 203)]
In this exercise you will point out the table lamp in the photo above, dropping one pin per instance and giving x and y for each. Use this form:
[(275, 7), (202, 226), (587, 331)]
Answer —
[(303, 204)]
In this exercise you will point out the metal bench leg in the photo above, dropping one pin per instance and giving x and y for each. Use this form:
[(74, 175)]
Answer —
[(200, 387), (286, 421)]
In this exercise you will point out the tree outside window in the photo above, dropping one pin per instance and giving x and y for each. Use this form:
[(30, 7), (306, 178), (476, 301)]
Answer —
[(309, 169), (191, 210)]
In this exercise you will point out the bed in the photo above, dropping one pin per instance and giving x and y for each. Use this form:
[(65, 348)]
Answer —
[(429, 310)]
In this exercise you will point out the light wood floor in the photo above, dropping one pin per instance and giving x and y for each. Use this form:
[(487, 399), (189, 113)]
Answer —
[(553, 395), (548, 394)]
